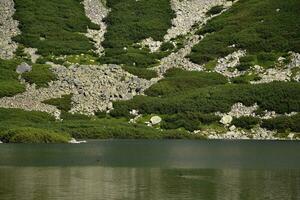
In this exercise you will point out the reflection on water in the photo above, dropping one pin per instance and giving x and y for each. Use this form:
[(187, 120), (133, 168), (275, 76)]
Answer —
[(45, 183), (151, 170)]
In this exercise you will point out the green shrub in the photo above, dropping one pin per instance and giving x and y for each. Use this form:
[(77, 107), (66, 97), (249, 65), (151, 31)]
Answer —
[(177, 80), (190, 121), (283, 123), (246, 122), (130, 22), (253, 25), (215, 10), (140, 72), (33, 135), (167, 46), (53, 27), (9, 83), (40, 75), (282, 97), (64, 103)]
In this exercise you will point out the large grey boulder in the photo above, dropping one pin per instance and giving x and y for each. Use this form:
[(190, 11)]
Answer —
[(155, 120), (23, 67)]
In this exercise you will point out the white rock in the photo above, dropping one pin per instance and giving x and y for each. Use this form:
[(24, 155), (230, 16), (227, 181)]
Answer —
[(291, 136), (227, 119), (74, 141), (232, 128), (155, 120), (1, 142)]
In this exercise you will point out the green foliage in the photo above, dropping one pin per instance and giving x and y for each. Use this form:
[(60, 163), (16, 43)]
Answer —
[(177, 80), (40, 75), (33, 135), (9, 83), (53, 27), (246, 122), (140, 72), (64, 103), (130, 22), (215, 10), (190, 121), (281, 97), (254, 25), (167, 46), (78, 126), (283, 123)]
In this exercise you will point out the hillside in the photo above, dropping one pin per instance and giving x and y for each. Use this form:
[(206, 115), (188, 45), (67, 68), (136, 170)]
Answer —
[(149, 69)]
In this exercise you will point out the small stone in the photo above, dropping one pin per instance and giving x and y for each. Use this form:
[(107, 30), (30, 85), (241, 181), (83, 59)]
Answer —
[(155, 120)]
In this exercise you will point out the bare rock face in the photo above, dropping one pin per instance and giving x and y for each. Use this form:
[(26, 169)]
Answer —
[(23, 67), (8, 29)]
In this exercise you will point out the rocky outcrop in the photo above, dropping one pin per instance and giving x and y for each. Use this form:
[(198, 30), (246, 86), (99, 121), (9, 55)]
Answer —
[(178, 59), (189, 13), (226, 66), (151, 44), (31, 52), (94, 88), (96, 12), (8, 29), (280, 72)]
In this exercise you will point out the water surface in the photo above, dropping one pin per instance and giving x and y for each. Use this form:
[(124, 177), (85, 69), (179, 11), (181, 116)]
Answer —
[(151, 169)]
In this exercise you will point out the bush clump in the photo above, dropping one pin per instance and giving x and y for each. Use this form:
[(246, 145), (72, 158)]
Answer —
[(53, 27), (128, 23), (215, 10), (246, 122), (283, 123), (64, 103), (260, 30), (33, 135), (9, 83), (40, 75)]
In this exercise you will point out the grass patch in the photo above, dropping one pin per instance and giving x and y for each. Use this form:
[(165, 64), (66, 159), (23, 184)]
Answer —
[(9, 83), (131, 21), (53, 27), (254, 25), (40, 75)]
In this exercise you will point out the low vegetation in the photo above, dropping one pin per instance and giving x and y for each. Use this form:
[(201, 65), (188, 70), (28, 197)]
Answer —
[(283, 123), (281, 97), (131, 21), (246, 122), (40, 74), (266, 29), (178, 80), (9, 83), (53, 27), (78, 126), (33, 135), (64, 103)]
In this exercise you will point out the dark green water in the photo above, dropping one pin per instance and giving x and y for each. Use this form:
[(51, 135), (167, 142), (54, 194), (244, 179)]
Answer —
[(146, 170)]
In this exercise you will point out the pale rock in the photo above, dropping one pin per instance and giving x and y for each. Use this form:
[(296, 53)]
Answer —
[(227, 119), (155, 120), (23, 67)]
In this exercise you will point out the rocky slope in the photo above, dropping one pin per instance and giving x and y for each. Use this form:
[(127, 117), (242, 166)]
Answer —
[(95, 87)]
